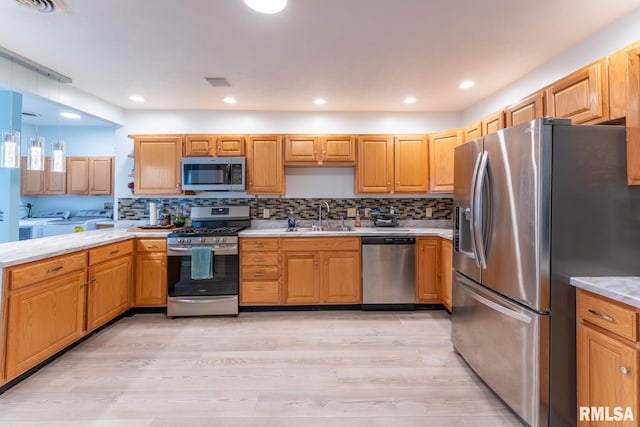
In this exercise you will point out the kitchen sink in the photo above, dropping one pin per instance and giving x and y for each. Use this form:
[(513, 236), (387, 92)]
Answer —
[(330, 229)]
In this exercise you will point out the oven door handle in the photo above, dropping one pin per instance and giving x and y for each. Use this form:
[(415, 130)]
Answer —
[(201, 300), (227, 250)]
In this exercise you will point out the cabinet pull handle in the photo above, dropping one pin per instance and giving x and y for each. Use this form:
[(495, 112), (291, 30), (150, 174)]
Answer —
[(625, 371), (153, 246), (114, 252), (259, 288), (259, 245), (259, 275), (259, 259), (54, 269), (602, 316), (92, 281)]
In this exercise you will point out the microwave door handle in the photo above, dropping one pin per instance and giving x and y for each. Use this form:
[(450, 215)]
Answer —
[(477, 204), (472, 220)]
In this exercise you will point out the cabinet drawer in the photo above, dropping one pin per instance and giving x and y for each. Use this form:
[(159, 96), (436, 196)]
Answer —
[(107, 252), (610, 315), (254, 272), (267, 244), (259, 258), (151, 245), (259, 293), (38, 271), (321, 244)]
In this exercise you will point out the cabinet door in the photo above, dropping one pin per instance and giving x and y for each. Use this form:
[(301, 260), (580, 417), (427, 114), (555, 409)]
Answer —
[(617, 71), (151, 279), (633, 117), (55, 183), (230, 145), (582, 96), (77, 175), (109, 291), (341, 283), (198, 145), (441, 147), (100, 176), (31, 182), (607, 375), (340, 149), (301, 278), (526, 110), (493, 123), (374, 169), (411, 164), (300, 149), (473, 131), (265, 168), (42, 320), (427, 268), (157, 164), (446, 274)]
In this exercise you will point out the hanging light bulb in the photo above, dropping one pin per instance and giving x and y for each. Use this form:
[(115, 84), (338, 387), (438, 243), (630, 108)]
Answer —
[(35, 154), (58, 160), (10, 150)]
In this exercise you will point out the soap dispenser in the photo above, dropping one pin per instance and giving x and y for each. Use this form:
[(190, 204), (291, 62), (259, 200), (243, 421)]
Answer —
[(291, 220)]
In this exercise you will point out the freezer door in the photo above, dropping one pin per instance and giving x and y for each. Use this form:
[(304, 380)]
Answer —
[(506, 344), (466, 162), (515, 193)]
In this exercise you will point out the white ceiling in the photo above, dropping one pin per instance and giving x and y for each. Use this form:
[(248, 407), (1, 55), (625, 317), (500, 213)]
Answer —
[(360, 55)]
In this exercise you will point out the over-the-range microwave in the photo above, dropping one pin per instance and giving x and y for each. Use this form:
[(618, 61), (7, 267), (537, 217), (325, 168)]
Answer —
[(213, 173)]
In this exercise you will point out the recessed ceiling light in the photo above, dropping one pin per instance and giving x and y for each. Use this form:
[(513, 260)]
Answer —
[(136, 98), (409, 100), (266, 6), (319, 101), (230, 100), (467, 84), (70, 115)]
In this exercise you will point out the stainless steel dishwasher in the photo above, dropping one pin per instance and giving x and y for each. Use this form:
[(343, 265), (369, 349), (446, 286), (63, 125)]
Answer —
[(388, 272)]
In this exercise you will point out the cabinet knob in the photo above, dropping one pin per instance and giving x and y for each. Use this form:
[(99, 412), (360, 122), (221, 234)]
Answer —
[(625, 371), (315, 263), (397, 182), (389, 183)]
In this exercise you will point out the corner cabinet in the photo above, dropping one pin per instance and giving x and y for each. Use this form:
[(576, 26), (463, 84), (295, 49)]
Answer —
[(441, 148), (157, 163), (265, 167), (608, 358), (633, 116)]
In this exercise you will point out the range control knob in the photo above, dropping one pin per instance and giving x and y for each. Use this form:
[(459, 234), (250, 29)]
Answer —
[(223, 239), (202, 240)]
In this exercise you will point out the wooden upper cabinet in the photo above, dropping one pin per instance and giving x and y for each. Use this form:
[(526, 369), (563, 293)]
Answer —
[(617, 75), (374, 169), (582, 96), (265, 167), (411, 164), (55, 183), (633, 116), (31, 181), (530, 108), (157, 165), (309, 150), (473, 131), (230, 145), (100, 176), (441, 148), (77, 175), (198, 145), (493, 123)]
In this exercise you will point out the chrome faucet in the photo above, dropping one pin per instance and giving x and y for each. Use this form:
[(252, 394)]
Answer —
[(320, 213)]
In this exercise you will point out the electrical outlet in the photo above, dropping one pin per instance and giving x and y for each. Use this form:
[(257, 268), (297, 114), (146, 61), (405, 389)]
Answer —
[(351, 212), (429, 212), (266, 214), (367, 212)]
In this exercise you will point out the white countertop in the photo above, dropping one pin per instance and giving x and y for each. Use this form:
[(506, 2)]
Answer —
[(622, 289), (359, 231)]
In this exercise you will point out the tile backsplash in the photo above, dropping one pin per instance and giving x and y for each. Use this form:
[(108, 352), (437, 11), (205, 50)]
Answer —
[(279, 208)]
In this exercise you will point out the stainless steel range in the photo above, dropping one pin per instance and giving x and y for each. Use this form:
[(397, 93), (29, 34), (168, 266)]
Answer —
[(203, 263)]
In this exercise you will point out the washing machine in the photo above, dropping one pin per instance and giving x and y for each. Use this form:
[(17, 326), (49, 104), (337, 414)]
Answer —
[(32, 227), (84, 220)]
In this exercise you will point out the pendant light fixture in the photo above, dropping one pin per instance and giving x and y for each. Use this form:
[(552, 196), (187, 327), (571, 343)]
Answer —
[(35, 153), (58, 160), (10, 148), (266, 6)]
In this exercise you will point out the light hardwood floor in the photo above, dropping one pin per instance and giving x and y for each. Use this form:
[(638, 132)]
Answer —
[(318, 368)]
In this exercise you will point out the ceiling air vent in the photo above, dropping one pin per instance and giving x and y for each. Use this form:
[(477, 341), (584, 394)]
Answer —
[(218, 81), (29, 114), (44, 6)]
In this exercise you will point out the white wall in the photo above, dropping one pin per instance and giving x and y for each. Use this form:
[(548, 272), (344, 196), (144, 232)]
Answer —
[(300, 182), (604, 42)]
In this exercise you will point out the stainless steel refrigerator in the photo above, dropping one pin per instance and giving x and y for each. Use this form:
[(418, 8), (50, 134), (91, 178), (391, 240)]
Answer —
[(534, 205)]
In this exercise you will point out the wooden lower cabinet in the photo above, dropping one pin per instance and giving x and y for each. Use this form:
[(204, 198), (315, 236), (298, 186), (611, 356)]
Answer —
[(607, 362), (44, 319), (151, 273), (446, 273), (321, 270), (427, 270), (259, 271), (109, 290)]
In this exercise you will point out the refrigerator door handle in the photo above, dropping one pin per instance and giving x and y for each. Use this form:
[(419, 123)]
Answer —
[(476, 218), (472, 219), (476, 295)]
